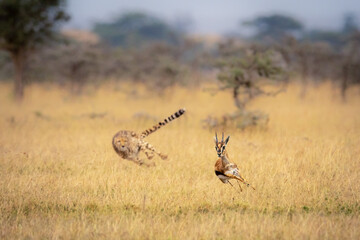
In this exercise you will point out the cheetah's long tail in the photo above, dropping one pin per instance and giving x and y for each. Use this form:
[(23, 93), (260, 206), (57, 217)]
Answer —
[(163, 123)]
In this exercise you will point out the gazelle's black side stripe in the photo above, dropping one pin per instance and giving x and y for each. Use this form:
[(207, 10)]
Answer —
[(219, 173), (163, 123)]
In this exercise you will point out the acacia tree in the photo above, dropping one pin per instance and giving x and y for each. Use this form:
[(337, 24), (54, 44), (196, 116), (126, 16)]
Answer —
[(25, 25), (247, 71)]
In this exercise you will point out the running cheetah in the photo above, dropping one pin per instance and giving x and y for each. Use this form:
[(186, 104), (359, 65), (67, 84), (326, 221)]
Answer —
[(128, 144)]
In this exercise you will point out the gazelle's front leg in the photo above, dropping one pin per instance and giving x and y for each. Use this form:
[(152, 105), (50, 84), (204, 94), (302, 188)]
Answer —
[(148, 146), (234, 187)]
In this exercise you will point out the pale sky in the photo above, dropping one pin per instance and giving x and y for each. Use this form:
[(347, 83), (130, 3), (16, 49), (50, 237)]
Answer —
[(216, 16)]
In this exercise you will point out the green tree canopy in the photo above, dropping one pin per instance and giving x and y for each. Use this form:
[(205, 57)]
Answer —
[(135, 29)]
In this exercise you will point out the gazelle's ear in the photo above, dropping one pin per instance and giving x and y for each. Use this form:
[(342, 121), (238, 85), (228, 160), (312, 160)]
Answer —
[(227, 140)]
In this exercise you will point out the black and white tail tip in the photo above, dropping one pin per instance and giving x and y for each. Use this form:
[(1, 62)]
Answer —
[(164, 122), (173, 116)]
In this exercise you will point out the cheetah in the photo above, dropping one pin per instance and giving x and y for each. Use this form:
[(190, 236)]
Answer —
[(128, 144)]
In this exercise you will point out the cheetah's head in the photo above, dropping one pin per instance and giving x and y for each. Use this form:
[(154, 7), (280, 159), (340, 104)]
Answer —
[(121, 144)]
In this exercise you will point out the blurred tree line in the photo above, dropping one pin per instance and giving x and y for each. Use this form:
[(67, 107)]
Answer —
[(135, 28), (143, 48), (315, 55), (273, 28)]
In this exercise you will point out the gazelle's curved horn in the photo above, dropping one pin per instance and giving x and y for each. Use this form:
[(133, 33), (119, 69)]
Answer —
[(216, 139), (222, 139)]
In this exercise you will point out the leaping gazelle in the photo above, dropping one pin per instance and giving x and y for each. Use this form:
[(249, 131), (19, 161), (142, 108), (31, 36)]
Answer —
[(224, 169)]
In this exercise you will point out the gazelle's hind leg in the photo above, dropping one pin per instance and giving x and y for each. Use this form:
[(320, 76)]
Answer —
[(247, 184), (149, 147), (239, 186)]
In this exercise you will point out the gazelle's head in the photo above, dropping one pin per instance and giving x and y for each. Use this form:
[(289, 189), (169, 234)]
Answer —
[(220, 146)]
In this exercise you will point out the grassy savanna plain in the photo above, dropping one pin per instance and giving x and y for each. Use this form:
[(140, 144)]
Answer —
[(61, 179)]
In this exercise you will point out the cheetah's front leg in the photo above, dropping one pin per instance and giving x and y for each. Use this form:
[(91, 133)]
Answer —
[(141, 162)]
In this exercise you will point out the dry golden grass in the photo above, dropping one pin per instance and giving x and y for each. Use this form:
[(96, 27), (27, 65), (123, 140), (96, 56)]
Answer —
[(61, 179)]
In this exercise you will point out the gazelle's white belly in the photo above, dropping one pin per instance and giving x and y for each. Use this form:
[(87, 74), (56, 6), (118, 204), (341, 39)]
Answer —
[(223, 178)]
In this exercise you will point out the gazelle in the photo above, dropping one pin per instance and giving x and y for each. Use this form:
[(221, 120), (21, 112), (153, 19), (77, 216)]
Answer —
[(224, 169)]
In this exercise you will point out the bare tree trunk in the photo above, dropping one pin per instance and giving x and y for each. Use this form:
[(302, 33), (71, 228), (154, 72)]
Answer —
[(18, 60), (304, 76), (344, 82), (240, 105)]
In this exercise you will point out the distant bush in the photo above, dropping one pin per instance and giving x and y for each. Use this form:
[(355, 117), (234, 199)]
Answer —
[(238, 119)]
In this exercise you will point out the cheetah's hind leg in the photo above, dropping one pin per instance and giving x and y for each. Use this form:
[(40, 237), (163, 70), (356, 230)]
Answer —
[(149, 154), (149, 147)]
